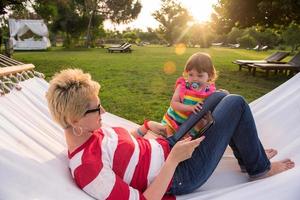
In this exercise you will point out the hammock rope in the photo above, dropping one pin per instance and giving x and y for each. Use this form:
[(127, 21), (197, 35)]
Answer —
[(12, 72)]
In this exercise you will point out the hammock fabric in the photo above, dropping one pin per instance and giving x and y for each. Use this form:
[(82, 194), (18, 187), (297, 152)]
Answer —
[(33, 161)]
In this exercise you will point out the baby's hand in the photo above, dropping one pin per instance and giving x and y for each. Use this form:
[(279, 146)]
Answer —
[(223, 90), (196, 108)]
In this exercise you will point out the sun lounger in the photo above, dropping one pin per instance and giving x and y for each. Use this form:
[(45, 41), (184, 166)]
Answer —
[(124, 49), (275, 57), (293, 66), (256, 48), (264, 48), (118, 45), (217, 44), (234, 46), (260, 48)]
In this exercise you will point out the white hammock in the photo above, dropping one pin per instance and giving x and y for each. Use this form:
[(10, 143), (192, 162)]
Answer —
[(33, 162)]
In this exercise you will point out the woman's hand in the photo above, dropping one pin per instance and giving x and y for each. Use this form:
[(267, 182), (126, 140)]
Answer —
[(183, 149), (180, 152)]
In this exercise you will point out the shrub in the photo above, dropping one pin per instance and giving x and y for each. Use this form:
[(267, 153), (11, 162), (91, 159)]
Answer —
[(264, 37), (291, 36), (234, 34), (246, 41)]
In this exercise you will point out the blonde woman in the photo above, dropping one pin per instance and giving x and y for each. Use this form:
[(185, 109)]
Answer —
[(109, 163)]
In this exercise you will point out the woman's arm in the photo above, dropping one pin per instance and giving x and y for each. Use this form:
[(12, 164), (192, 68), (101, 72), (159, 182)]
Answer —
[(101, 182), (159, 186), (180, 152)]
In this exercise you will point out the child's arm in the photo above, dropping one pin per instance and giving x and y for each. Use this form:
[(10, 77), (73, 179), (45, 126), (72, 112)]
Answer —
[(177, 105), (223, 90), (139, 132)]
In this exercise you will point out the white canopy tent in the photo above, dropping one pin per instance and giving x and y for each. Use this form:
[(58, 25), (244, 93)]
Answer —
[(17, 28)]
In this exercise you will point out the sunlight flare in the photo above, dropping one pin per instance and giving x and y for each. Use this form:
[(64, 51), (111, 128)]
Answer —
[(201, 10), (180, 48), (169, 67)]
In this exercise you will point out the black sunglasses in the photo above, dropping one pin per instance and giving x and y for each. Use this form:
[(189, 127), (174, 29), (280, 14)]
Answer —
[(98, 109)]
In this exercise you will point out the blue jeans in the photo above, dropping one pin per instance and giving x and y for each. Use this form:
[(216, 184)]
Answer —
[(234, 125)]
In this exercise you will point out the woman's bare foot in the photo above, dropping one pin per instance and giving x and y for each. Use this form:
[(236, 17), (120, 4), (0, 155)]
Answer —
[(278, 167), (271, 153)]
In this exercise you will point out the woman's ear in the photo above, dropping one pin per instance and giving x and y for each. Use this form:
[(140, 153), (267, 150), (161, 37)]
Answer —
[(73, 122)]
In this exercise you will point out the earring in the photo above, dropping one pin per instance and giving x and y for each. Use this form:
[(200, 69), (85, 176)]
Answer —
[(77, 134)]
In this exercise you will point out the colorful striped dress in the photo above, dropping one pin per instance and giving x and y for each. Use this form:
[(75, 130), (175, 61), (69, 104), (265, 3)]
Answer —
[(188, 96)]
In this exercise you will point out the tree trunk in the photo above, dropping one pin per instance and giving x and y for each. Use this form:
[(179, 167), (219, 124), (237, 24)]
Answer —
[(88, 37), (293, 49), (1, 40)]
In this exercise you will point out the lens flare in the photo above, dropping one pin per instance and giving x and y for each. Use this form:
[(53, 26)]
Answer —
[(169, 67), (180, 48)]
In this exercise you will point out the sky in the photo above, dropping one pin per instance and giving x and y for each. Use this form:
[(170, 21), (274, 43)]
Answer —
[(199, 9)]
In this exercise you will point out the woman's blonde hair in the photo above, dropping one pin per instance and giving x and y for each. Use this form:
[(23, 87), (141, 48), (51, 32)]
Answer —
[(69, 94), (202, 63)]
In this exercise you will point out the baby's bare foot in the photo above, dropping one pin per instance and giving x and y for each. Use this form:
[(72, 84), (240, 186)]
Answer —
[(278, 167), (271, 153)]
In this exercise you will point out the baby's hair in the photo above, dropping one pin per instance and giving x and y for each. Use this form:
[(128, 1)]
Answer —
[(202, 63)]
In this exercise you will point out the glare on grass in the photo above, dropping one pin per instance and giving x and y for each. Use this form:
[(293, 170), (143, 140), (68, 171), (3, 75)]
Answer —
[(169, 67), (157, 85)]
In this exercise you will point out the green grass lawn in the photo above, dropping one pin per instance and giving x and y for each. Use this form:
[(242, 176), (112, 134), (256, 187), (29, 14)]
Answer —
[(135, 86)]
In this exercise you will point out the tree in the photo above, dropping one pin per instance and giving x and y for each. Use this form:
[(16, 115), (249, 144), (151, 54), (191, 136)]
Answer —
[(252, 36), (130, 36), (265, 13), (173, 19), (76, 18), (234, 34), (200, 34), (291, 36), (120, 11), (149, 36), (246, 41), (264, 36), (6, 5), (9, 4), (48, 10)]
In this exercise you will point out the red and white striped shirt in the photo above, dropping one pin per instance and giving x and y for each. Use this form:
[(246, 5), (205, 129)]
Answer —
[(112, 164)]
